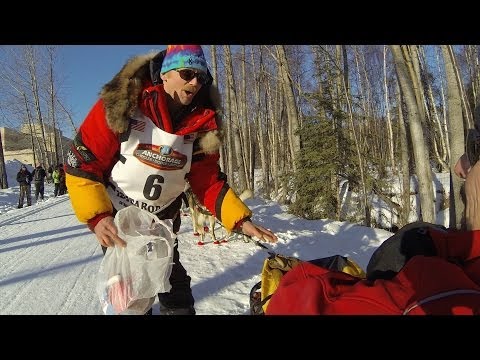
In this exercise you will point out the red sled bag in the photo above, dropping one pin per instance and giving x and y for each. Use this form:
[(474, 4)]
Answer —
[(276, 266), (440, 275)]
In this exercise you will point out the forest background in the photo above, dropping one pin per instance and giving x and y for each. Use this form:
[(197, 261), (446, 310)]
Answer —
[(320, 121)]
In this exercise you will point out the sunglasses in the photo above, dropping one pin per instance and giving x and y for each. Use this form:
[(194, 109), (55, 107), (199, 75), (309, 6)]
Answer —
[(188, 75)]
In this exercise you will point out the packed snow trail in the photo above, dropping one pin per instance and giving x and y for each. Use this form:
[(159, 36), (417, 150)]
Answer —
[(49, 261)]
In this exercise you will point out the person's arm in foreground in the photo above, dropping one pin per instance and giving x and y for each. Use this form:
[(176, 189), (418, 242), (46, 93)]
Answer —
[(211, 188), (462, 167)]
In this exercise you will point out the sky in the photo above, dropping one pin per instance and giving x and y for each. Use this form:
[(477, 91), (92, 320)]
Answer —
[(88, 67), (49, 262)]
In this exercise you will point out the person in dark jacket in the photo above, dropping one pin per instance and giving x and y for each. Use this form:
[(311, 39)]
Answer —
[(62, 186), (39, 175), (24, 178), (154, 129)]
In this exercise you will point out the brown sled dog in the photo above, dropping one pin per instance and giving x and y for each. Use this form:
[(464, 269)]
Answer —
[(203, 221)]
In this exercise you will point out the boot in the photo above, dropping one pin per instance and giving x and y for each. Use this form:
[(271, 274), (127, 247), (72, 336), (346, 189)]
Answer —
[(177, 311)]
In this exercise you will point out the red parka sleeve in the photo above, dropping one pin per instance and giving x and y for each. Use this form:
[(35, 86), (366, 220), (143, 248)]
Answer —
[(92, 155)]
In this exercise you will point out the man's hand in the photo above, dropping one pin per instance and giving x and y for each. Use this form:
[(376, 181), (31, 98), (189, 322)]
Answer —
[(462, 167), (250, 229), (472, 191), (106, 233)]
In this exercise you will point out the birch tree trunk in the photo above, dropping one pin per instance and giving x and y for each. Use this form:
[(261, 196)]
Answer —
[(474, 65), (276, 133), (228, 146), (439, 140), (30, 122), (444, 104), (31, 59), (213, 55), (244, 123), (242, 177), (422, 160), (456, 133), (53, 159), (463, 95), (261, 119), (471, 56), (3, 170), (342, 85), (387, 111), (292, 114), (404, 212), (410, 56), (363, 194)]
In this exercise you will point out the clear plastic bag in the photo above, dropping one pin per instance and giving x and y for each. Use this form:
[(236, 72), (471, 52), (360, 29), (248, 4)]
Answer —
[(129, 278)]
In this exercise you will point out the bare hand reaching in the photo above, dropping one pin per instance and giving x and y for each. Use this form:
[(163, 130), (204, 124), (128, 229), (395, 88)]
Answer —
[(462, 167), (106, 233), (251, 229)]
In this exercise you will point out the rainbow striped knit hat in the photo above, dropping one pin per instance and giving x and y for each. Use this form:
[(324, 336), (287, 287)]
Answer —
[(184, 56)]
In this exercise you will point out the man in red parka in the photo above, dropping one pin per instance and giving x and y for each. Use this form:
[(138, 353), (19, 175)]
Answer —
[(154, 128)]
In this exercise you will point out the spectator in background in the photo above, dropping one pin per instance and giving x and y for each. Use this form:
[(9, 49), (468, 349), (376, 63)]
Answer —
[(62, 189), (24, 178), (49, 175), (39, 175), (56, 181)]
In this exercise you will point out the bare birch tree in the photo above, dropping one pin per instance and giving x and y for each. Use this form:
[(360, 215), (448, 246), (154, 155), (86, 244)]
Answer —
[(234, 108), (31, 60), (422, 160), (213, 56), (292, 114), (3, 171), (404, 210), (246, 144), (456, 134), (387, 111)]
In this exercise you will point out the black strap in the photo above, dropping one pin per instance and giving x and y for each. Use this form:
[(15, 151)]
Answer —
[(264, 301)]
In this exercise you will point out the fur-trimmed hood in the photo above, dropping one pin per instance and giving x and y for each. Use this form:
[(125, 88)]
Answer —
[(121, 94)]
